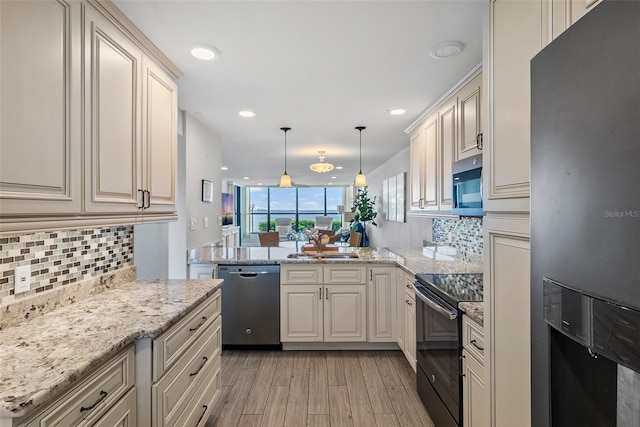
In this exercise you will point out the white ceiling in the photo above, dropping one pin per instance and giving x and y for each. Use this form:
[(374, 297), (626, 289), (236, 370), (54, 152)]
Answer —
[(319, 67)]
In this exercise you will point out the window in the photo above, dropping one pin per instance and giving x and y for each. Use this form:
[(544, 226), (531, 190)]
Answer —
[(301, 205)]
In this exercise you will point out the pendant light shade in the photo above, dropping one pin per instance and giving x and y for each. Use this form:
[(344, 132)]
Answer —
[(285, 179), (321, 167), (361, 180)]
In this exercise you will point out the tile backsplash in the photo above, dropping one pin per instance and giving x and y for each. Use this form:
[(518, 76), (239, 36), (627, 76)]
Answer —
[(464, 234), (57, 258)]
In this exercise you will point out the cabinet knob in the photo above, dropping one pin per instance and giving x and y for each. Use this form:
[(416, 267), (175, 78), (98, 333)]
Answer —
[(479, 142)]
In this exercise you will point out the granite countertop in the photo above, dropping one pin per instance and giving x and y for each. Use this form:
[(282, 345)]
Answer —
[(411, 260), (475, 310), (43, 356)]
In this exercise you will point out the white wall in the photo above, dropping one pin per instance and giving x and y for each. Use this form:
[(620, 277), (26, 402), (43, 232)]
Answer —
[(409, 234), (203, 160)]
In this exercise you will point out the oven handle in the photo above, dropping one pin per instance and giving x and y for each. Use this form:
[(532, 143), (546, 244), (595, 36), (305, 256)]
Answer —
[(452, 314)]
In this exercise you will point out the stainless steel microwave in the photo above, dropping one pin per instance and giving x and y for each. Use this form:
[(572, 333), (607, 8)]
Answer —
[(467, 187)]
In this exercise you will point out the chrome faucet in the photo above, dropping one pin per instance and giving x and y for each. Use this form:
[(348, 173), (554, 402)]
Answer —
[(316, 239)]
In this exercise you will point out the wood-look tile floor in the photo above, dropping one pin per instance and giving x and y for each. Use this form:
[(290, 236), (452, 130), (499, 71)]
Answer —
[(317, 389)]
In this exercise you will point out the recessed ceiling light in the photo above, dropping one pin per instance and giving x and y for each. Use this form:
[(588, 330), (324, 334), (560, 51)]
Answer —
[(259, 183), (396, 111), (205, 53), (339, 167), (224, 168), (245, 177), (333, 177), (330, 183), (446, 50), (247, 113)]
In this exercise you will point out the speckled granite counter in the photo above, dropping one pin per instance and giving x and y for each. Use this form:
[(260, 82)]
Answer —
[(41, 357), (475, 310), (411, 260)]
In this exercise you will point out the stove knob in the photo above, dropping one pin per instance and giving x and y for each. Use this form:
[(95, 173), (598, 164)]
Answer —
[(248, 331), (433, 378)]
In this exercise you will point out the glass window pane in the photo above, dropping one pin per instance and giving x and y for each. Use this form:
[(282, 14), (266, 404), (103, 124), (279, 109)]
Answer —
[(282, 204), (257, 208)]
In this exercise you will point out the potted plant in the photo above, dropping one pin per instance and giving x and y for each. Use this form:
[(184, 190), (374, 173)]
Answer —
[(363, 208)]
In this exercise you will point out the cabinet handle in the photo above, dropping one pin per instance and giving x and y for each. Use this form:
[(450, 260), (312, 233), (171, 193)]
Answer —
[(103, 395), (203, 412), (141, 205), (371, 275), (148, 205), (421, 203), (204, 319), (204, 362), (479, 142), (408, 286), (461, 367), (326, 293), (320, 292), (409, 302), (474, 343)]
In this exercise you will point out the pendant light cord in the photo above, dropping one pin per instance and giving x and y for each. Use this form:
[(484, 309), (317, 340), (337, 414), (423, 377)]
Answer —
[(360, 128), (285, 147)]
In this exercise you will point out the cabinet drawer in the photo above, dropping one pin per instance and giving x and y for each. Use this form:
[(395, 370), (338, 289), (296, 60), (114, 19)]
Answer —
[(301, 275), (123, 413), (473, 338), (199, 409), (338, 275), (171, 394), (408, 289), (93, 396), (172, 344)]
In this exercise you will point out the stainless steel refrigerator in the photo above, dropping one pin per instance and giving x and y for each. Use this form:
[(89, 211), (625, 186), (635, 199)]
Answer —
[(585, 221)]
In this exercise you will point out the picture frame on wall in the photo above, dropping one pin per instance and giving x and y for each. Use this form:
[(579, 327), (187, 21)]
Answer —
[(207, 191)]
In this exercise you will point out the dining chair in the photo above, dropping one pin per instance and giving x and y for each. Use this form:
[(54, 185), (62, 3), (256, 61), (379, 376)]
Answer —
[(270, 238), (354, 240)]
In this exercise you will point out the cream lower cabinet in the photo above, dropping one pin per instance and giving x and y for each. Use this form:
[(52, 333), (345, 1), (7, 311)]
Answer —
[(475, 396), (381, 296), (323, 303), (507, 319), (406, 306)]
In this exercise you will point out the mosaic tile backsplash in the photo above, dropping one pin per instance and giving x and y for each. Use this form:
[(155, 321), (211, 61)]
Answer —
[(58, 258), (464, 234)]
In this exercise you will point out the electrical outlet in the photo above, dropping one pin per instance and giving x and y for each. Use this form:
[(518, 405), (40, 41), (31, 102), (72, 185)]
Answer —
[(192, 225), (22, 279), (205, 222)]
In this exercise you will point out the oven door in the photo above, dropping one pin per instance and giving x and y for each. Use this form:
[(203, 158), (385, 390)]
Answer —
[(438, 357)]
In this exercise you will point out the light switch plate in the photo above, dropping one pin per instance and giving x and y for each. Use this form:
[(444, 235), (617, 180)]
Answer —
[(192, 225), (22, 279)]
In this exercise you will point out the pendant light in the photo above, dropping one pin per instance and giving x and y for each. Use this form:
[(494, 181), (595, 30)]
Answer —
[(361, 180), (321, 167), (285, 179)]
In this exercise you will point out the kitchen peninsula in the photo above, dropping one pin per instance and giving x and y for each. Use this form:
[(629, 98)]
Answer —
[(113, 353)]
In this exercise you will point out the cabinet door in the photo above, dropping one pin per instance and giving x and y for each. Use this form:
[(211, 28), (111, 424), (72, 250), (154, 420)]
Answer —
[(515, 39), (446, 152), (507, 279), (469, 120), (345, 313), (430, 173), (416, 169), (410, 332), (40, 124), (474, 394), (381, 294), (159, 134), (112, 143), (301, 313), (400, 307)]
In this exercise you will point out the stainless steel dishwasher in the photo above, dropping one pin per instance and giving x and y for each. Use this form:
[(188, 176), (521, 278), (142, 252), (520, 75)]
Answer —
[(250, 305)]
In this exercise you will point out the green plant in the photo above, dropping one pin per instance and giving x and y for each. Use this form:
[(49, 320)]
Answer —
[(363, 207)]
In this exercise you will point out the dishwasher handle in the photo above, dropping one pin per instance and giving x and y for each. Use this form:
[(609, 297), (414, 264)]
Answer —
[(248, 274), (452, 314)]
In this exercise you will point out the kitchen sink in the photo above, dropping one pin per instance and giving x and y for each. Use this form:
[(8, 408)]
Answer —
[(349, 255)]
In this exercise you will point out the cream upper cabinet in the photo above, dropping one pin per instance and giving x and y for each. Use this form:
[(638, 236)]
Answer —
[(381, 295), (159, 136), (40, 124), (558, 15), (113, 151), (514, 39), (131, 143), (469, 119), (447, 132)]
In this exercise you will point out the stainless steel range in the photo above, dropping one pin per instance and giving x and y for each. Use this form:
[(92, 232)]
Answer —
[(439, 341)]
